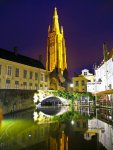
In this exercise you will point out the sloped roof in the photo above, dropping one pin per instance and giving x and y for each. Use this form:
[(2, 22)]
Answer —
[(15, 57)]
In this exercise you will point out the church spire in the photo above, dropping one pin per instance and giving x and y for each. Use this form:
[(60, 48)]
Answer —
[(55, 21)]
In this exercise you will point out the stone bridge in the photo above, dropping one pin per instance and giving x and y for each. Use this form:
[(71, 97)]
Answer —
[(44, 98)]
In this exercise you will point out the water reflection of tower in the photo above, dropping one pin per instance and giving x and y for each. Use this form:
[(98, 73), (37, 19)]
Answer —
[(60, 144)]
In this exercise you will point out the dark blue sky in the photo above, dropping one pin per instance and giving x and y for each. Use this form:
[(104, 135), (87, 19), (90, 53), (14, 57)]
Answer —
[(87, 24)]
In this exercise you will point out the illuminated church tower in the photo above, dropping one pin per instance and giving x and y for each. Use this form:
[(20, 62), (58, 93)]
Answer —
[(56, 49)]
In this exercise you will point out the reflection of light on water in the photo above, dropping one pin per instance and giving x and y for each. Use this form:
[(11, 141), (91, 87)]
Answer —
[(62, 111), (35, 115), (35, 98), (42, 116)]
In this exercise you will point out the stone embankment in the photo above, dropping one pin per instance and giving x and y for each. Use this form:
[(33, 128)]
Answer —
[(12, 100)]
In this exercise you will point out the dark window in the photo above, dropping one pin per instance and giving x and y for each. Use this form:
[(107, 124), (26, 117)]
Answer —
[(76, 83), (83, 83), (46, 78), (25, 85), (85, 73), (9, 70), (16, 84), (42, 77), (25, 74), (30, 75), (7, 84), (36, 76), (17, 72), (0, 69)]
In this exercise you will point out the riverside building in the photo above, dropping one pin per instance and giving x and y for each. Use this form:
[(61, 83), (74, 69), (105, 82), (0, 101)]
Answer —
[(21, 72)]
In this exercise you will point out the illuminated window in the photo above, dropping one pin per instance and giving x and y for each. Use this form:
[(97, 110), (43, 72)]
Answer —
[(16, 84), (25, 74), (9, 70), (17, 72)]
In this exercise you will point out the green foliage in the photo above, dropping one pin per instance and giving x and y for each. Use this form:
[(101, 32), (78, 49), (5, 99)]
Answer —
[(71, 95)]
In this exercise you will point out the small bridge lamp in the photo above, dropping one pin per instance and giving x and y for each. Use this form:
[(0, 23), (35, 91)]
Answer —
[(71, 85)]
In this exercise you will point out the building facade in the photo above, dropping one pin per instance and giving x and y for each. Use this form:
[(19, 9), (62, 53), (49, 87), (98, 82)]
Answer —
[(80, 81), (103, 75), (21, 72), (56, 49)]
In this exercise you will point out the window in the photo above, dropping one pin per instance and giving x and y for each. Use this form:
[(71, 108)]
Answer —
[(42, 77), (41, 86), (30, 75), (16, 84), (78, 124), (30, 85), (46, 78), (17, 72), (83, 83), (36, 76), (9, 70), (110, 86), (76, 83), (25, 74), (84, 125), (45, 87), (85, 73), (8, 84), (24, 85), (0, 83), (0, 69), (36, 86)]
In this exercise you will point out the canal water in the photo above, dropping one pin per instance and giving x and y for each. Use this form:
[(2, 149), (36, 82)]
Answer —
[(57, 128)]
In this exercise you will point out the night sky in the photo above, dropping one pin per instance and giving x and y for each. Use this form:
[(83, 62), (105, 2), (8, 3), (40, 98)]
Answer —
[(87, 24)]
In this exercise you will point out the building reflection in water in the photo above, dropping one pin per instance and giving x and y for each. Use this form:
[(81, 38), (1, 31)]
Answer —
[(58, 132), (1, 117)]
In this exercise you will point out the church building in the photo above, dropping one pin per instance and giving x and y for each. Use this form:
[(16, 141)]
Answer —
[(56, 49), (56, 54)]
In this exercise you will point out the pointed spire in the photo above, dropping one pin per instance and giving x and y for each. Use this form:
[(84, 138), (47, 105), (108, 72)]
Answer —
[(55, 21), (49, 29), (105, 51), (62, 30)]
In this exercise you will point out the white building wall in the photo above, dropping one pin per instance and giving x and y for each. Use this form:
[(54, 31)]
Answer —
[(105, 74)]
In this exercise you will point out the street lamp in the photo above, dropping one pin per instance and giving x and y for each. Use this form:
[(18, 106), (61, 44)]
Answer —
[(71, 85)]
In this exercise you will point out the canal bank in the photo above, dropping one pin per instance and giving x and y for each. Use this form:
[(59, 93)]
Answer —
[(13, 100)]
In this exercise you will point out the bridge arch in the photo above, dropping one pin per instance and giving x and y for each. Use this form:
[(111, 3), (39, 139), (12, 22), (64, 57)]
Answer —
[(44, 99)]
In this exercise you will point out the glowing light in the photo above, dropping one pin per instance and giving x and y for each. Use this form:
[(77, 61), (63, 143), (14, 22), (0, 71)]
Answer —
[(71, 85), (35, 116), (72, 122), (35, 98)]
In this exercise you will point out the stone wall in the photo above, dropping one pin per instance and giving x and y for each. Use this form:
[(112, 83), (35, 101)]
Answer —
[(12, 100)]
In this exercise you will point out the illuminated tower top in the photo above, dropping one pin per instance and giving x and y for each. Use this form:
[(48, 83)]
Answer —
[(56, 50), (55, 26)]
